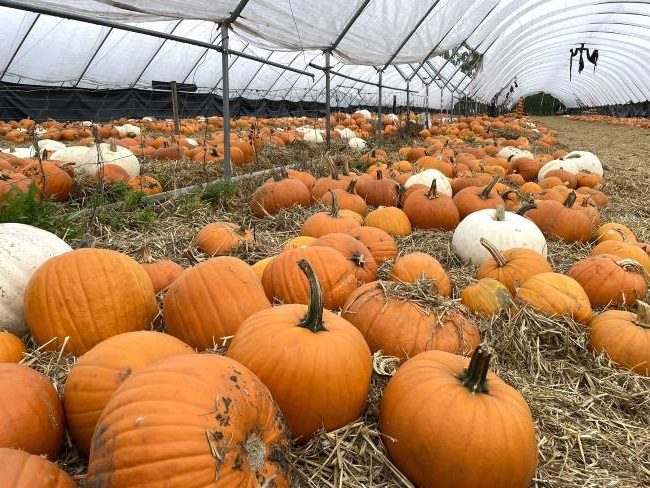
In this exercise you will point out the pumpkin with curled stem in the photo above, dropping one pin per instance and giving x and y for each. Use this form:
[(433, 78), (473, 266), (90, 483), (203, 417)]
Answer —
[(623, 250), (624, 336), (614, 231), (471, 415), (310, 344), (19, 469)]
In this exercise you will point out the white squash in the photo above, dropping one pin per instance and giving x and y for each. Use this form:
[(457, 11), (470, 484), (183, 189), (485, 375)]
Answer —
[(393, 117), (585, 161), (357, 143), (427, 176), (346, 133), (21, 152), (70, 154), (514, 153), (23, 249), (564, 164), (506, 230), (110, 153), (365, 113), (313, 135)]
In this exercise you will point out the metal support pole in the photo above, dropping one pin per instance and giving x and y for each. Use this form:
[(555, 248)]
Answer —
[(451, 109), (227, 169), (90, 61), (379, 100), (175, 115), (426, 105), (20, 44), (441, 107), (328, 121), (408, 105)]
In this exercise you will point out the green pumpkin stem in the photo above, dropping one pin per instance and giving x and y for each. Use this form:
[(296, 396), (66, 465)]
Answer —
[(570, 200), (433, 190), (494, 252), (313, 320), (335, 204), (522, 211), (475, 376), (485, 194)]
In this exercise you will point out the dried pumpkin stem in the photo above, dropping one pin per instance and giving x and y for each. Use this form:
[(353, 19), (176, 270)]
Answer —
[(335, 204), (313, 320), (433, 190), (475, 376), (570, 199), (500, 214), (522, 211), (352, 187), (485, 194), (642, 314), (358, 259), (379, 174), (494, 252), (622, 234), (112, 145)]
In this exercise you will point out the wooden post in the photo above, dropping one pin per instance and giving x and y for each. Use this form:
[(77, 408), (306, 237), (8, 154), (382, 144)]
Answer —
[(177, 122)]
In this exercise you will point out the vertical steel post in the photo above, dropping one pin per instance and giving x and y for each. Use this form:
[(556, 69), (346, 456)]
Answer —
[(441, 93), (328, 121), (225, 96), (426, 105), (379, 100), (175, 115), (408, 104)]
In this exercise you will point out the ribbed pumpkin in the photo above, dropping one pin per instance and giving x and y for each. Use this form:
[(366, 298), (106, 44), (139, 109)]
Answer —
[(478, 431), (98, 373), (609, 280), (19, 469), (348, 199), (190, 420), (222, 238), (402, 328), (614, 231), (86, 296), (277, 194), (162, 273), (11, 347), (555, 294), (378, 191), (487, 297), (561, 220), (475, 198), (381, 244), (284, 280), (389, 219), (624, 336), (300, 241), (261, 265), (31, 412), (291, 348), (365, 266), (428, 209), (409, 268), (323, 223), (623, 250), (210, 301), (513, 266)]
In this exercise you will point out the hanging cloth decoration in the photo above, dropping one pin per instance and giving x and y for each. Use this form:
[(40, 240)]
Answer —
[(592, 58)]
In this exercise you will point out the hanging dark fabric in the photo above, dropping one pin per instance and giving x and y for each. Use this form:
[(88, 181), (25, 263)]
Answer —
[(592, 58)]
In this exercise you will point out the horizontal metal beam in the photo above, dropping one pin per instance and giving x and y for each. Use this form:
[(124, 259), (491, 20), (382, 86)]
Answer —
[(146, 32), (359, 80)]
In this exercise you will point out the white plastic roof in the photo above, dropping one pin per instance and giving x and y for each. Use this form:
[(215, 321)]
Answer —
[(524, 39)]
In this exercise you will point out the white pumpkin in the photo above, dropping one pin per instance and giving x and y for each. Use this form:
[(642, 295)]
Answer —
[(564, 164), (346, 133), (585, 161), (514, 153), (393, 117), (50, 146), (23, 249), (70, 154), (357, 143), (192, 142), (117, 155), (312, 135), (427, 176), (131, 130), (365, 113), (21, 152), (506, 230)]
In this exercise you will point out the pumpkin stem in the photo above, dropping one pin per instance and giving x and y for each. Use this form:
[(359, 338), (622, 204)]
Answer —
[(334, 172), (379, 175), (313, 320), (433, 190), (585, 200), (485, 194), (642, 314), (346, 165), (352, 187), (500, 214), (522, 211), (494, 252), (358, 259), (112, 145), (475, 376), (622, 234), (335, 204), (570, 200)]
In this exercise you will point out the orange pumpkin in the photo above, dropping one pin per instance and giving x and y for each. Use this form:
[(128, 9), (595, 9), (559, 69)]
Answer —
[(427, 209), (50, 179), (381, 244), (162, 273), (145, 184), (347, 199), (23, 470), (277, 194), (222, 238), (412, 267), (11, 348), (323, 223), (353, 250), (389, 219), (475, 198), (487, 297)]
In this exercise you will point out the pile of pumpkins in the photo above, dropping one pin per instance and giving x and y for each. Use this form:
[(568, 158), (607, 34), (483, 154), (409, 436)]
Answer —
[(644, 123), (152, 408)]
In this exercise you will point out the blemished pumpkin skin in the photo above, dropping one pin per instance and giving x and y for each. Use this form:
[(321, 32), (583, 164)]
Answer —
[(402, 328), (162, 273), (365, 266), (19, 469), (323, 223), (31, 412), (623, 250), (190, 420), (512, 267), (561, 220), (428, 209), (309, 344), (392, 220), (211, 300), (99, 372), (475, 198), (609, 280), (271, 197), (222, 238), (381, 244), (11, 347), (624, 336), (348, 199), (555, 294), (487, 298), (478, 431), (146, 184), (409, 268), (283, 279), (85, 296), (614, 231)]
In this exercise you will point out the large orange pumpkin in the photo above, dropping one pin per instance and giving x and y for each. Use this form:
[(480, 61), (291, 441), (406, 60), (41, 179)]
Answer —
[(210, 301), (478, 431), (190, 420), (31, 412), (323, 223), (277, 194), (561, 220), (98, 373), (623, 250), (475, 198), (355, 251), (389, 219), (381, 244), (428, 209), (50, 179), (291, 348), (19, 469), (85, 296)]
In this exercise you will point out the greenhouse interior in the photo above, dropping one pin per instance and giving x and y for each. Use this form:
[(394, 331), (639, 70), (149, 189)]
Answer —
[(433, 213)]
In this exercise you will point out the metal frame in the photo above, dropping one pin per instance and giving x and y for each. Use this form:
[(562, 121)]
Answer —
[(92, 58), (146, 66), (19, 46), (205, 52)]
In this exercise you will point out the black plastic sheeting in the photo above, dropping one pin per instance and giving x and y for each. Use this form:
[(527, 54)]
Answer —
[(18, 101)]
